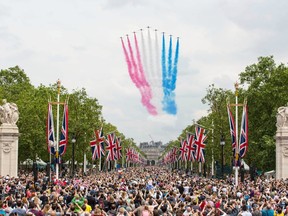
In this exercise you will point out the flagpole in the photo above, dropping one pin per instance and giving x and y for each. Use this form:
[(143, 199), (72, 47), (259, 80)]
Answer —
[(50, 156), (212, 167), (50, 159), (236, 135), (84, 158), (57, 135), (122, 159), (84, 163), (100, 154), (100, 159)]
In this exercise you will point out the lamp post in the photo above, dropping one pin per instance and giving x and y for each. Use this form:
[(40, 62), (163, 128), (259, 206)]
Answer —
[(222, 143), (73, 154)]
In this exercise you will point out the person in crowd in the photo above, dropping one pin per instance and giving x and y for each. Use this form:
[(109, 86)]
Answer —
[(19, 210), (142, 191)]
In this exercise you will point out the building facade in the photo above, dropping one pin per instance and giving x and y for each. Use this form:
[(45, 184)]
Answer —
[(153, 151)]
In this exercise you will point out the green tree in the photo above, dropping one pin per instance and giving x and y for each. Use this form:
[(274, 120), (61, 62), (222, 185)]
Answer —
[(266, 91), (217, 123), (84, 117), (32, 123), (14, 83)]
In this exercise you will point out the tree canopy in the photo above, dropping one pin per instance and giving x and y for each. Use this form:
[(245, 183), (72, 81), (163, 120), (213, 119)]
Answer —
[(262, 84), (85, 115)]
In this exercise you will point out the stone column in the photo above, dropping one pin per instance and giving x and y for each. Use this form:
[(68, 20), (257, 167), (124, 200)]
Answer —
[(282, 143), (9, 135)]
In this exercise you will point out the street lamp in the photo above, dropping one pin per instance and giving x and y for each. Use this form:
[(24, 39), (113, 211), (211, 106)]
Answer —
[(73, 154), (222, 143)]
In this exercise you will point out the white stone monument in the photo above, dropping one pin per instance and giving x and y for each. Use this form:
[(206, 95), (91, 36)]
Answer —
[(282, 143), (9, 135)]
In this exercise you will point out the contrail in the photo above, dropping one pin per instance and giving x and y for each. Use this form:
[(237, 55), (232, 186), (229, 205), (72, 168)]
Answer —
[(129, 64), (163, 63), (144, 83), (175, 67), (136, 73), (169, 60), (150, 67), (169, 86)]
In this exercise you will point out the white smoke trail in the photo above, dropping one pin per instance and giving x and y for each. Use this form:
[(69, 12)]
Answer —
[(158, 75)]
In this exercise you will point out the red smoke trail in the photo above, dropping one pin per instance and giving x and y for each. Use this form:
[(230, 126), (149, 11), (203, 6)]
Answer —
[(134, 67), (136, 75), (141, 70), (129, 64), (142, 85)]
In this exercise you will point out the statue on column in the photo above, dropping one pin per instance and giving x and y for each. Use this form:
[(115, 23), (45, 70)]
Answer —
[(9, 113), (282, 117)]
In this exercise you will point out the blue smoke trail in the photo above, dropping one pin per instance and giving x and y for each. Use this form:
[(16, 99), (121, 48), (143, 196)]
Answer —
[(164, 73), (175, 67), (168, 102), (169, 60)]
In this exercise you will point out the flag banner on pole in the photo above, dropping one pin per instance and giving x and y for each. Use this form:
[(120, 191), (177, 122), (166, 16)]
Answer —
[(243, 140), (190, 147), (50, 131), (142, 160), (135, 156), (96, 145), (174, 154), (183, 150), (129, 154), (200, 144), (167, 157), (64, 132), (118, 148), (232, 129), (110, 141)]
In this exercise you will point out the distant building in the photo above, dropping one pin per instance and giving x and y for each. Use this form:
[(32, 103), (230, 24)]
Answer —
[(152, 150)]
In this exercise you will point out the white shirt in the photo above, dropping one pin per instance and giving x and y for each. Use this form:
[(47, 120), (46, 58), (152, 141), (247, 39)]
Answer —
[(246, 213), (186, 189)]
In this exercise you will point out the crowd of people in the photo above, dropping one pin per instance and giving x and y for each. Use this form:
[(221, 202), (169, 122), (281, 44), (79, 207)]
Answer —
[(142, 191)]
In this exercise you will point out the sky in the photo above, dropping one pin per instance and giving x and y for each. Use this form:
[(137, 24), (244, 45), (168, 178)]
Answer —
[(78, 42)]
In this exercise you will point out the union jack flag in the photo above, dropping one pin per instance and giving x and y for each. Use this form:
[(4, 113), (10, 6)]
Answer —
[(232, 130), (110, 141), (183, 150), (142, 160), (50, 131), (129, 154), (135, 156), (190, 147), (64, 132), (118, 148), (97, 145), (199, 144), (167, 157), (174, 155), (243, 141)]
